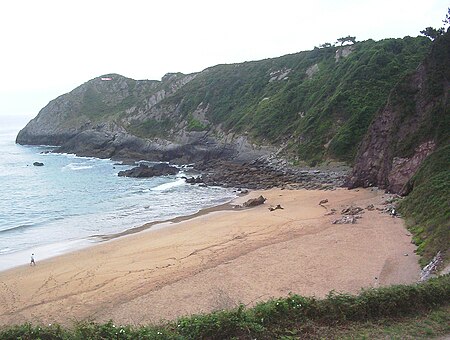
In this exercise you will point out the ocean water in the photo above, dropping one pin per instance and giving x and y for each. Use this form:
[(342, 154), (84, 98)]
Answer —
[(71, 201)]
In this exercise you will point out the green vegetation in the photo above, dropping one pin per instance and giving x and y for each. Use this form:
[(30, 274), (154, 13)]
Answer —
[(416, 311), (103, 100), (152, 127), (427, 206), (195, 124)]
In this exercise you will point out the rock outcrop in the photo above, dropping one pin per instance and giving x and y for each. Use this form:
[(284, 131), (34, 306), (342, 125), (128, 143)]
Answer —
[(143, 171), (253, 202)]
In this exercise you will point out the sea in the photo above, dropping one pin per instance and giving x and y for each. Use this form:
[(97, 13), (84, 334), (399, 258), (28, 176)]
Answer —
[(72, 202)]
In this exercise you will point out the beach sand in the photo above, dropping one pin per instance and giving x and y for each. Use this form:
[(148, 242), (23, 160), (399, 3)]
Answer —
[(216, 261)]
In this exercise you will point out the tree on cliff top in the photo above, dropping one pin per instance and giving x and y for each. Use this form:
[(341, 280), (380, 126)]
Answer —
[(346, 39), (433, 33)]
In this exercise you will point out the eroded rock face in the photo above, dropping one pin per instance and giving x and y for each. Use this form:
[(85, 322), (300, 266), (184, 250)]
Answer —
[(404, 168), (407, 130), (343, 52)]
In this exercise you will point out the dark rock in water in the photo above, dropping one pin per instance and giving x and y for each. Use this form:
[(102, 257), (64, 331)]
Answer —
[(194, 180), (161, 169), (38, 164), (253, 202)]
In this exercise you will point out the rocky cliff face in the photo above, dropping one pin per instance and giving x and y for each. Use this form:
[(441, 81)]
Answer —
[(412, 125)]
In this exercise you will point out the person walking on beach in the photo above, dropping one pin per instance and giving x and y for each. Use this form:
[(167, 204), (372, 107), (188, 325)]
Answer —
[(32, 263)]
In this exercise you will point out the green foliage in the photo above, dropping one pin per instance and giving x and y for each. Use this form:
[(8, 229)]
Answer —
[(288, 318), (432, 33), (109, 100), (348, 38), (92, 105), (427, 206), (195, 124), (152, 127), (218, 325)]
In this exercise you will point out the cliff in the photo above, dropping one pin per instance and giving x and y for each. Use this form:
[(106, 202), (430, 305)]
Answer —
[(413, 124), (309, 106)]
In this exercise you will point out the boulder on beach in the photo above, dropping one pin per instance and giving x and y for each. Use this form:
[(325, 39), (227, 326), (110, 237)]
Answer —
[(143, 171), (276, 207), (253, 202)]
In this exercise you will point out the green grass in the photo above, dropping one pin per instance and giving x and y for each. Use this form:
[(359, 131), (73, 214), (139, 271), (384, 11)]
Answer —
[(195, 125), (426, 208), (405, 311)]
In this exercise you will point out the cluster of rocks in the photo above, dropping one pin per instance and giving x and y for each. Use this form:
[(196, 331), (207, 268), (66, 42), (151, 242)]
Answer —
[(349, 215), (143, 171), (263, 174), (431, 268), (390, 206)]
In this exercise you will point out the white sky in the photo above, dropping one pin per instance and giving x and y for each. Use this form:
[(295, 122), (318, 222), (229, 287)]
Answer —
[(49, 47)]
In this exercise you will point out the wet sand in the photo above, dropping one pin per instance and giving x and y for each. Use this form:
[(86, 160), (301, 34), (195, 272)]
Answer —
[(217, 260)]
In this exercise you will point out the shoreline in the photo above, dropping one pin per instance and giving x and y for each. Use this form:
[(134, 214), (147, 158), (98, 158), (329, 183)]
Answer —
[(66, 247), (217, 260), (165, 223)]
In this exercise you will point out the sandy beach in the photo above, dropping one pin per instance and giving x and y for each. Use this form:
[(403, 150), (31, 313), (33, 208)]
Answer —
[(218, 260)]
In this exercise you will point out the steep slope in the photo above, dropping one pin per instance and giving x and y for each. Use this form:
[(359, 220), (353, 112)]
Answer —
[(427, 207), (414, 123), (310, 106)]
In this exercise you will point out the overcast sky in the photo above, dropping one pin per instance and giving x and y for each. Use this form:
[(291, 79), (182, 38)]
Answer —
[(50, 47)]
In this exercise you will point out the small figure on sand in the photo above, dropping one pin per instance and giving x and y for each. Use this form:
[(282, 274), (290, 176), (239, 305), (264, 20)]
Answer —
[(32, 263)]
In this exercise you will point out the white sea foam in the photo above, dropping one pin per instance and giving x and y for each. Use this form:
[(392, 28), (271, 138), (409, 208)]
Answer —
[(77, 166), (170, 185)]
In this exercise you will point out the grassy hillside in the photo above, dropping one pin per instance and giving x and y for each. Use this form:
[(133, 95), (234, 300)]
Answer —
[(310, 102), (427, 206)]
